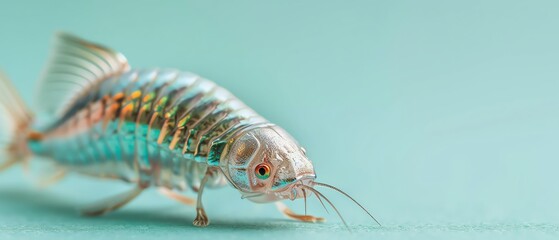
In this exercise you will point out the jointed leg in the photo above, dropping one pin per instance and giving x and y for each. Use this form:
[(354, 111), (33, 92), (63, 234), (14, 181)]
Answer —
[(7, 164), (113, 203), (178, 197), (303, 218), (201, 217), (52, 179)]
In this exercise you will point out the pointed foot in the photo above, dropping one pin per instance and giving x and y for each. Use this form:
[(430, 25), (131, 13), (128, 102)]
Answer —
[(201, 218), (309, 218), (303, 218)]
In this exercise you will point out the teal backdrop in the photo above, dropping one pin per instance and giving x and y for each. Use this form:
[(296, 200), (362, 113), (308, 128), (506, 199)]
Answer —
[(441, 117)]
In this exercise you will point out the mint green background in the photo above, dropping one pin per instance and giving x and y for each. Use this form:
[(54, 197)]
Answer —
[(441, 117)]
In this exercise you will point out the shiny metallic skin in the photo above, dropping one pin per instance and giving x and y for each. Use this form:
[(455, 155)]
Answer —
[(155, 127), (275, 147), (166, 128)]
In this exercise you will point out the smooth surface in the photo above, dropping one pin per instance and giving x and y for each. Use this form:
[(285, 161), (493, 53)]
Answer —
[(441, 117)]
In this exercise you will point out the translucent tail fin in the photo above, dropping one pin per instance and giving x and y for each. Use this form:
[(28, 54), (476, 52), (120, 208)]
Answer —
[(14, 124)]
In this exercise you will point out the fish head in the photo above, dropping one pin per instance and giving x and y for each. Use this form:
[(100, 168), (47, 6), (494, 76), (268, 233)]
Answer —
[(266, 164)]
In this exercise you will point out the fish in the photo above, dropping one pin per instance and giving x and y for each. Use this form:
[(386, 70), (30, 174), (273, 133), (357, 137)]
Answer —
[(164, 128)]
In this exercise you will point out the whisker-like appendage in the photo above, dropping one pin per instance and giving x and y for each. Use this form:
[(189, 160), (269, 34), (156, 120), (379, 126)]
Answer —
[(318, 197), (322, 203), (347, 195), (317, 193)]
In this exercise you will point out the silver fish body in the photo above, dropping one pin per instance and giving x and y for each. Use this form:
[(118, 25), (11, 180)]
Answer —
[(156, 127), (165, 128)]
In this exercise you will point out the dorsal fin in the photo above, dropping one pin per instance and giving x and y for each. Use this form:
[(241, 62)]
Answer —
[(75, 65)]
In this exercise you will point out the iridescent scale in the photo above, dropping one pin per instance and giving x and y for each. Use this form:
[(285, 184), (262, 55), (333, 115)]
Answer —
[(155, 127)]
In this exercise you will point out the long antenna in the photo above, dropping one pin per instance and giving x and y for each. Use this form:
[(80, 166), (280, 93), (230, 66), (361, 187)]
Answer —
[(347, 195), (332, 205), (322, 203)]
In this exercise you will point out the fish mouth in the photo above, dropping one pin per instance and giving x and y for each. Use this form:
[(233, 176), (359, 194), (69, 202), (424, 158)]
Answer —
[(292, 190), (296, 189)]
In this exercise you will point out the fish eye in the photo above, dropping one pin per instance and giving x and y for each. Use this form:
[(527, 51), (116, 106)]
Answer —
[(262, 171)]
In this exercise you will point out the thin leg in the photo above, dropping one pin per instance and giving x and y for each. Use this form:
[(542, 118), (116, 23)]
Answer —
[(7, 164), (54, 178), (177, 197), (303, 218), (201, 217), (25, 166), (113, 203)]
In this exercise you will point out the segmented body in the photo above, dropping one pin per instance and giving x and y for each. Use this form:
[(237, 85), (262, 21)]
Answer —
[(155, 127)]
